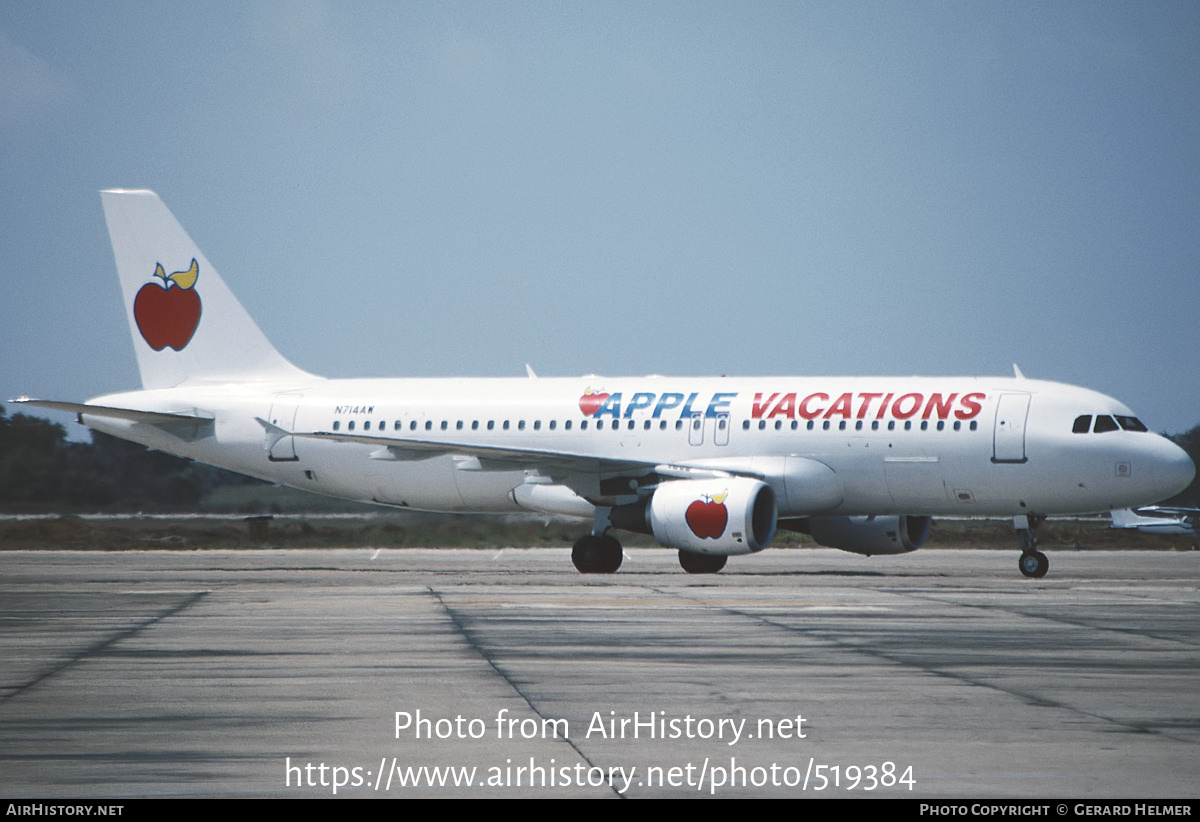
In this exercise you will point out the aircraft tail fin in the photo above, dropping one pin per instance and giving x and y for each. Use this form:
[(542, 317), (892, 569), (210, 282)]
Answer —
[(186, 324)]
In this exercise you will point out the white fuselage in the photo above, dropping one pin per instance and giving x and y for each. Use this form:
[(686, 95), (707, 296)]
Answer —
[(827, 445)]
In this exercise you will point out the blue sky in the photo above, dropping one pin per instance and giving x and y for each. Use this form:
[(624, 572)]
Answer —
[(423, 189)]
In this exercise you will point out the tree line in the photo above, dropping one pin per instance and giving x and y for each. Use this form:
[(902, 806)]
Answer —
[(42, 471)]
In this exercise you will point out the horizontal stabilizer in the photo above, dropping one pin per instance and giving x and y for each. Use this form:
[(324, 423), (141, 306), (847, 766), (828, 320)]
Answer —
[(190, 425)]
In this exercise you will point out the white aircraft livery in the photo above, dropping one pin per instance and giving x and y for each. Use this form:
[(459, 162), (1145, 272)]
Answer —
[(709, 466)]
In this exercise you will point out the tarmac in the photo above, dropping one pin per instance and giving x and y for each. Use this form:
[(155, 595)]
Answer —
[(941, 674)]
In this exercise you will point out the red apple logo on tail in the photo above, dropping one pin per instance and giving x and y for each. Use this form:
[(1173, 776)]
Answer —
[(591, 401), (168, 314), (708, 516)]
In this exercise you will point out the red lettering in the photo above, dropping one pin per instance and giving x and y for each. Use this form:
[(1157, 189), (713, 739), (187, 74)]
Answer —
[(942, 406), (805, 412), (914, 405), (785, 408), (840, 406), (759, 406), (883, 406), (970, 405), (862, 409)]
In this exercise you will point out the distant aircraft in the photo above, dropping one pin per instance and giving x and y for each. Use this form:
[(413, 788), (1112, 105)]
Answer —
[(709, 466), (1160, 519)]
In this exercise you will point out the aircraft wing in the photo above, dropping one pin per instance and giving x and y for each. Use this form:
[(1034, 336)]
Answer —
[(1168, 510), (559, 465), (1165, 520)]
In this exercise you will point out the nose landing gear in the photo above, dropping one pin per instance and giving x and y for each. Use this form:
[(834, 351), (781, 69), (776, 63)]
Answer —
[(1033, 563)]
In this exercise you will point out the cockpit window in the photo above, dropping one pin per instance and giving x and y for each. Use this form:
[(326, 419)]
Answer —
[(1104, 424), (1082, 424), (1131, 424)]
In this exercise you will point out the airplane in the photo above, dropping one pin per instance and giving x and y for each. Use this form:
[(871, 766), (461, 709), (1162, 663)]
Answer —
[(1160, 519), (711, 467)]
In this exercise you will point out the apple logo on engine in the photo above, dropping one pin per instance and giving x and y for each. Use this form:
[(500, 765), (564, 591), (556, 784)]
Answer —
[(168, 314), (708, 516)]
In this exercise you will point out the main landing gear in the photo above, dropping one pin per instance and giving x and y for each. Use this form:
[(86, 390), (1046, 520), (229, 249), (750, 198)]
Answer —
[(1033, 563), (695, 563), (597, 554)]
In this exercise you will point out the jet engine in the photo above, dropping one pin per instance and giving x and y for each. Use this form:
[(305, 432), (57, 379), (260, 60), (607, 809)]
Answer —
[(719, 517), (871, 535)]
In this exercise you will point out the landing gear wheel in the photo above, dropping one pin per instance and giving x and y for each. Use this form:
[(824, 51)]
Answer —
[(1034, 564), (596, 555), (695, 563)]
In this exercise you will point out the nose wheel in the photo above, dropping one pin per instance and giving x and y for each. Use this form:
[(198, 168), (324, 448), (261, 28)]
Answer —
[(1033, 563)]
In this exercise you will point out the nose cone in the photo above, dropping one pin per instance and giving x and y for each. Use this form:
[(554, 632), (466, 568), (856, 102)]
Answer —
[(1173, 468)]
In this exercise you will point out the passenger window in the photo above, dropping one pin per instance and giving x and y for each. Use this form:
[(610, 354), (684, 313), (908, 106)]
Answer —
[(1082, 424), (458, 425), (412, 426), (521, 425), (778, 424), (396, 425), (811, 425), (583, 425), (367, 425), (537, 425), (337, 424), (491, 425), (474, 425), (745, 425), (567, 425), (553, 424), (1104, 424), (351, 425), (428, 425), (762, 424), (445, 425)]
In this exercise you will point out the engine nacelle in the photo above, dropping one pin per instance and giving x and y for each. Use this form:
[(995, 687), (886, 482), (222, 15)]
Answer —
[(871, 535), (733, 515)]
